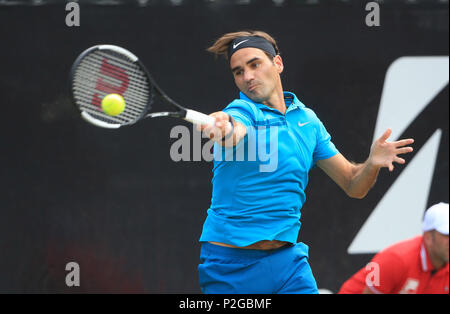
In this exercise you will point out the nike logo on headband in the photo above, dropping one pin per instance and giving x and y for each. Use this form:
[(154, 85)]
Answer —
[(235, 45)]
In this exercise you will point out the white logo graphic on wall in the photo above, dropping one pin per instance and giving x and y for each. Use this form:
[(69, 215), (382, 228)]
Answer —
[(411, 84)]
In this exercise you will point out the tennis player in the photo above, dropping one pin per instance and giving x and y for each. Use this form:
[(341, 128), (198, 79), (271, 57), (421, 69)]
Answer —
[(414, 266), (249, 238)]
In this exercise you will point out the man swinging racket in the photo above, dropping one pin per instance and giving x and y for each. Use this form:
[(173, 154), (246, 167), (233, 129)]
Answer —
[(249, 238)]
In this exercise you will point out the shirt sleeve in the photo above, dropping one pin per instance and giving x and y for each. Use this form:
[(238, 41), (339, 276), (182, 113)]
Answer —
[(241, 112), (324, 147)]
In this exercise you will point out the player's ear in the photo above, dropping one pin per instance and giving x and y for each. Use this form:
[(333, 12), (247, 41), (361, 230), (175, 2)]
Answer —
[(278, 61)]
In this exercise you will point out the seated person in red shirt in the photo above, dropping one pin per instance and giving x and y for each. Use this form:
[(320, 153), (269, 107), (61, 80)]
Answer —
[(418, 265)]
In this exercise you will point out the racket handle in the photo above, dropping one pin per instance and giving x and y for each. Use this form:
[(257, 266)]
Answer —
[(196, 117)]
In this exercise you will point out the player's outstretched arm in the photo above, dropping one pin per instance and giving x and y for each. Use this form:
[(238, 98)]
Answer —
[(357, 179), (222, 132)]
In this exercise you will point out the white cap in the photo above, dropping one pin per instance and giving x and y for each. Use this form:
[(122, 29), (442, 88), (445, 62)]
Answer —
[(436, 218)]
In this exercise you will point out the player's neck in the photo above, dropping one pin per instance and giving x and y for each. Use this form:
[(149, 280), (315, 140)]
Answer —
[(276, 100)]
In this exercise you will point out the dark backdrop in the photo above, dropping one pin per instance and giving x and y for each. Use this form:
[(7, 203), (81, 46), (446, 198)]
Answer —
[(114, 201)]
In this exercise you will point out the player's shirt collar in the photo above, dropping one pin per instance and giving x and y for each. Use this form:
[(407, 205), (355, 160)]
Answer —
[(290, 100)]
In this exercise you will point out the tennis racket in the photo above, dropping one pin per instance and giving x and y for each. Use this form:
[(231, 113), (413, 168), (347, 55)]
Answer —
[(106, 69)]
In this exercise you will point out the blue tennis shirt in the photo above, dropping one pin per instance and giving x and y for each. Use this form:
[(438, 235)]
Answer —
[(259, 185)]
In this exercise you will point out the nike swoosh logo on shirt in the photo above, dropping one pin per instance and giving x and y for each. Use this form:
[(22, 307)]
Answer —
[(303, 124), (235, 45)]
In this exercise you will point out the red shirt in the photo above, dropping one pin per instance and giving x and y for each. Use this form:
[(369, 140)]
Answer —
[(401, 268)]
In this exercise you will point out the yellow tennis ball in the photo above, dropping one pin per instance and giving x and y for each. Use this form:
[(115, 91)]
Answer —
[(113, 104)]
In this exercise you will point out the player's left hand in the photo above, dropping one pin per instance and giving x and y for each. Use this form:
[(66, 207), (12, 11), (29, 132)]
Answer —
[(384, 154)]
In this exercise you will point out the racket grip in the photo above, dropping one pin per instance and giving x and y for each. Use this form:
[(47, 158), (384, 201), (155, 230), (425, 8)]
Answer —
[(196, 117)]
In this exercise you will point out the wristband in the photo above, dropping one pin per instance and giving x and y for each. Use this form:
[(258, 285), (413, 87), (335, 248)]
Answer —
[(230, 134)]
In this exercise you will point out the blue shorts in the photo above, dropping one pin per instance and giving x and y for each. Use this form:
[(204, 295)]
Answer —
[(226, 270)]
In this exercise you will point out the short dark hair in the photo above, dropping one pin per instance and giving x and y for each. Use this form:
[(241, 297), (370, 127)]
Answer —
[(220, 46)]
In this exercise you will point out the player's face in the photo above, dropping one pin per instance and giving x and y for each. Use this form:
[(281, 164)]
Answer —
[(255, 74), (440, 246)]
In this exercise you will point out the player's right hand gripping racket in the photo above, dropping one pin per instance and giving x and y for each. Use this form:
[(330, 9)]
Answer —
[(106, 69)]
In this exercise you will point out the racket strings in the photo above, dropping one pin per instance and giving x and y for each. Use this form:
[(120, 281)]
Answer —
[(134, 71), (119, 61), (128, 115), (103, 72), (92, 104), (139, 100), (113, 77)]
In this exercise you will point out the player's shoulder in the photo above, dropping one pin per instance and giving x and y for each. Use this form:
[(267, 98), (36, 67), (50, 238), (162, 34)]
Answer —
[(244, 108), (306, 110), (308, 114), (240, 104)]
